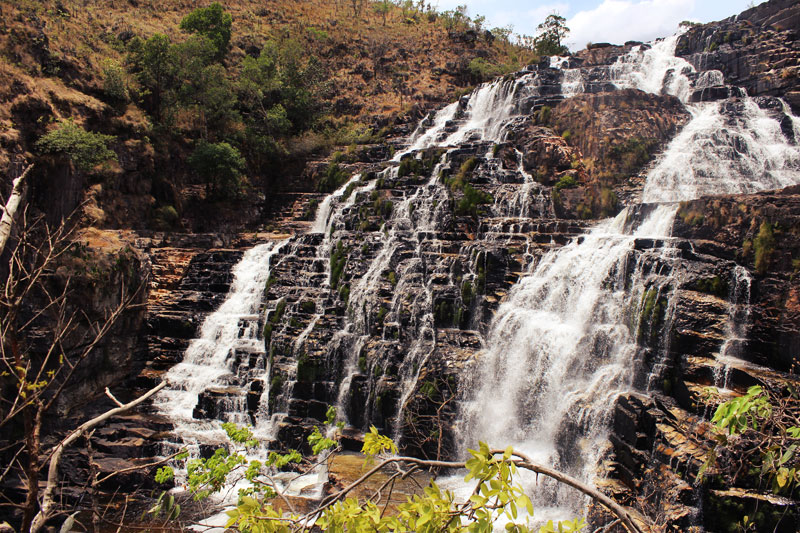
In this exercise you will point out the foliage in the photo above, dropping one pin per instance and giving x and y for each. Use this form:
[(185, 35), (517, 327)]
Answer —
[(220, 165), (375, 443), (715, 285), (280, 90), (468, 204), (757, 436), (114, 82), (764, 246), (85, 149), (153, 63), (632, 154), (496, 495), (739, 414), (333, 178), (213, 23), (338, 261), (319, 443), (550, 34), (566, 182), (166, 217), (481, 70)]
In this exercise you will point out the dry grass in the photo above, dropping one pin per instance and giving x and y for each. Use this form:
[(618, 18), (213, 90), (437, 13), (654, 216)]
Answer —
[(84, 33)]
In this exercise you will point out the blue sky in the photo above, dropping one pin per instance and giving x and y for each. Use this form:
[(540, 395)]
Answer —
[(614, 21)]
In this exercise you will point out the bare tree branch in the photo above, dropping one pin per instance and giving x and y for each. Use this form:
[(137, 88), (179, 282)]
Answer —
[(46, 507)]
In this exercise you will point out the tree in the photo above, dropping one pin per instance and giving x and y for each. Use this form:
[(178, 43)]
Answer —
[(48, 335), (211, 22), (84, 148), (382, 7), (153, 61), (551, 32), (220, 165)]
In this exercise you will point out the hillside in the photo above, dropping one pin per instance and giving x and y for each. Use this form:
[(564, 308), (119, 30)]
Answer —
[(366, 79)]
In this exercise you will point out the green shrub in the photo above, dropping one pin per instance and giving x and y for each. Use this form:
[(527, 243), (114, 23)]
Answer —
[(167, 217), (468, 204), (273, 321), (220, 165), (463, 175), (211, 22), (114, 83), (542, 115), (333, 178), (338, 261), (307, 369), (85, 149), (481, 70), (632, 154), (566, 182), (715, 285)]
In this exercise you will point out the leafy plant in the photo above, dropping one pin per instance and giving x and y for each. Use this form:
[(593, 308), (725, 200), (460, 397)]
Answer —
[(213, 23), (220, 165), (758, 434), (84, 148)]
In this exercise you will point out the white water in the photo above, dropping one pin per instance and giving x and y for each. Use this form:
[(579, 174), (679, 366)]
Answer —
[(750, 154), (562, 346), (211, 358), (736, 328), (654, 70)]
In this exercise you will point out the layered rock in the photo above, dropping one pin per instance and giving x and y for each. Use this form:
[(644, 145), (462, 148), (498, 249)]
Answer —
[(662, 439), (756, 50)]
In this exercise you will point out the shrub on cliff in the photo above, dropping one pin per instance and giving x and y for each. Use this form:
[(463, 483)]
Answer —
[(85, 149), (220, 165)]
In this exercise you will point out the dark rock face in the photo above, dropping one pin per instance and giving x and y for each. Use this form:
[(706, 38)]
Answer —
[(756, 50), (660, 440)]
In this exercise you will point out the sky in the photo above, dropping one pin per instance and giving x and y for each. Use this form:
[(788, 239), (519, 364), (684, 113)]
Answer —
[(614, 21)]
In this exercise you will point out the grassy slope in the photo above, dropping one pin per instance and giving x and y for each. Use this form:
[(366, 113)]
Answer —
[(52, 54)]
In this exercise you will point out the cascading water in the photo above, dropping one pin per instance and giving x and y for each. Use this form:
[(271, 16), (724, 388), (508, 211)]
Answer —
[(563, 346), (565, 342), (229, 343), (737, 327)]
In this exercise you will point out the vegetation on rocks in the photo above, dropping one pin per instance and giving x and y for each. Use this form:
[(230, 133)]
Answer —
[(497, 495), (84, 149)]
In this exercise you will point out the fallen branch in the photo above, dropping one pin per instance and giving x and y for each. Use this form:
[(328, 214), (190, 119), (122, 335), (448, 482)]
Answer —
[(46, 507)]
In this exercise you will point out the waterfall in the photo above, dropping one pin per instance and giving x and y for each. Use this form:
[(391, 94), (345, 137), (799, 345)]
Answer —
[(566, 339), (563, 345), (736, 327), (229, 343)]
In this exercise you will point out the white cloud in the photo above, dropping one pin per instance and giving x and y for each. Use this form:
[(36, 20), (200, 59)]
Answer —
[(617, 21)]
